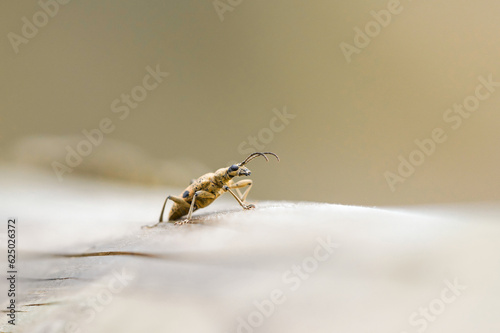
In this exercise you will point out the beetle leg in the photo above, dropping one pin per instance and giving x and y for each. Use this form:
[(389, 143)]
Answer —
[(242, 204), (174, 199), (197, 194), (240, 184)]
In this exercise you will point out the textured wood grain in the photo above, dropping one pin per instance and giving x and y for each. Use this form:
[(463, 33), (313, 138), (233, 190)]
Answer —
[(87, 266)]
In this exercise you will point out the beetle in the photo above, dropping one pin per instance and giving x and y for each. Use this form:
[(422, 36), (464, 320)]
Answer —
[(203, 191)]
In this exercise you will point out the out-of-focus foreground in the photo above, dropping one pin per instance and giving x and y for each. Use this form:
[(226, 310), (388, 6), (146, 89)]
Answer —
[(293, 267)]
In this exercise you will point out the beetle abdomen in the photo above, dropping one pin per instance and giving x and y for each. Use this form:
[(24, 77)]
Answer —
[(177, 211)]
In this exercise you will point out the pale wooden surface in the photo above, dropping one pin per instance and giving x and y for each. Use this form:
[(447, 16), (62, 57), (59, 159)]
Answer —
[(203, 277)]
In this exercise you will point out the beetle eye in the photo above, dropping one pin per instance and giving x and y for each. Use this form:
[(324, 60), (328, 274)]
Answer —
[(233, 167)]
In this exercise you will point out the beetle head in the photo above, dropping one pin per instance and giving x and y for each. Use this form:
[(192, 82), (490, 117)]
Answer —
[(237, 170), (240, 169)]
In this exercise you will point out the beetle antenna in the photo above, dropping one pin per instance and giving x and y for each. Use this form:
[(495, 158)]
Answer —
[(257, 154)]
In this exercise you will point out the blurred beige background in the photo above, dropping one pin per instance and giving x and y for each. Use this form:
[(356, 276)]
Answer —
[(352, 120)]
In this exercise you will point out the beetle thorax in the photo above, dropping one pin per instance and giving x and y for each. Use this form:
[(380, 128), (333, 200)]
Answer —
[(222, 177)]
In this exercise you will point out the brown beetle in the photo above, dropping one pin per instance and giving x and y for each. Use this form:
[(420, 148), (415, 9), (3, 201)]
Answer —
[(204, 190)]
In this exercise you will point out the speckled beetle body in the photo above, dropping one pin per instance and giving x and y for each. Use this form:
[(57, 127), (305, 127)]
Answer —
[(204, 190)]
